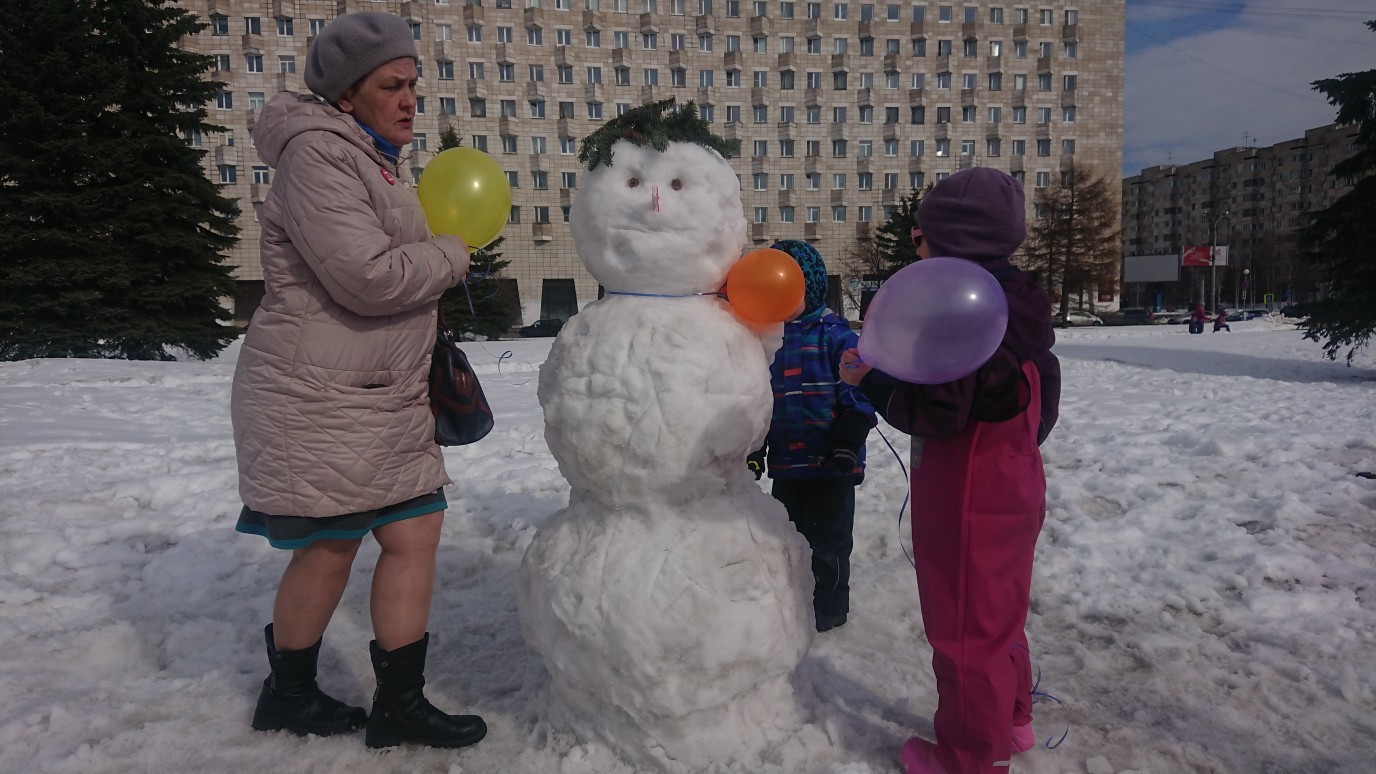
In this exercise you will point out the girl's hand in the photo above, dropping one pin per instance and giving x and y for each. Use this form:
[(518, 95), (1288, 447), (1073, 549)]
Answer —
[(853, 369)]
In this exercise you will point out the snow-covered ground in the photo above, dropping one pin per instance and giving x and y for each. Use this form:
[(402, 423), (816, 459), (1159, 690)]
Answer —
[(1204, 600)]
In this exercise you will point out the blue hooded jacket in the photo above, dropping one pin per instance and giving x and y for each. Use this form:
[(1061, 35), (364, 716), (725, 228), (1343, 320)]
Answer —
[(809, 396)]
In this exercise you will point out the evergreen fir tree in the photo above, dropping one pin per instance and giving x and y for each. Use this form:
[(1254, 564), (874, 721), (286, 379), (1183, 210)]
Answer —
[(1074, 244), (494, 308), (893, 240), (1340, 241), (111, 236)]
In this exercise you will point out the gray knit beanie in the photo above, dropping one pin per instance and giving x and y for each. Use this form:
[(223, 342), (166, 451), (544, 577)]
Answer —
[(352, 46), (977, 214)]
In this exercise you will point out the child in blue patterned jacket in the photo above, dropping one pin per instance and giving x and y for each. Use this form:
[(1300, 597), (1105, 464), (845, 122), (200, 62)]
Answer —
[(816, 444)]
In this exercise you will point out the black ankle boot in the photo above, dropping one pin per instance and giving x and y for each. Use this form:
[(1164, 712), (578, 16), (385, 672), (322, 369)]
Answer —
[(401, 712), (292, 701)]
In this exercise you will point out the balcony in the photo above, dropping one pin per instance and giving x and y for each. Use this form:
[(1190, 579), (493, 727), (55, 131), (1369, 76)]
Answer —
[(965, 162), (812, 231), (252, 44), (788, 60), (839, 132), (864, 96), (563, 57), (864, 163), (759, 164), (705, 96), (284, 82), (568, 127), (542, 232), (866, 28), (759, 26), (1070, 33), (594, 92), (1020, 32), (219, 8), (943, 63), (917, 29), (759, 96), (863, 231), (759, 232), (993, 131), (411, 10), (840, 63), (508, 125), (972, 29), (649, 93), (505, 53), (477, 89), (787, 198), (226, 154), (787, 130), (534, 18), (917, 97), (968, 97), (1067, 99), (1016, 163), (812, 164), (812, 28), (891, 132), (892, 63), (915, 164), (706, 25), (812, 96), (837, 196), (733, 60), (472, 14), (678, 60), (1043, 64), (284, 9), (889, 196), (539, 162), (448, 51), (536, 90), (594, 21), (620, 57), (993, 64), (257, 192)]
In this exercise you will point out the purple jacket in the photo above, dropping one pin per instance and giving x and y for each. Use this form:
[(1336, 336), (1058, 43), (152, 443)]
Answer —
[(998, 391)]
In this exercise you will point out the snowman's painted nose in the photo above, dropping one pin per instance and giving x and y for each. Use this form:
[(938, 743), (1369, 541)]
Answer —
[(654, 199)]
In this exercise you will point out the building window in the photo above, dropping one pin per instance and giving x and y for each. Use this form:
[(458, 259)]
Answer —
[(786, 148), (760, 181), (917, 148), (253, 63), (1067, 147), (286, 64), (480, 142), (477, 108), (838, 213), (509, 146), (1068, 114), (506, 73), (592, 39), (967, 148), (508, 108), (594, 74), (1068, 83), (253, 25), (814, 214), (260, 175), (229, 173), (1044, 147), (222, 62), (943, 148), (537, 108), (219, 25), (595, 110)]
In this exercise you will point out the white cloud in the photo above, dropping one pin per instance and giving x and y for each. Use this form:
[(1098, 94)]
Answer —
[(1254, 79)]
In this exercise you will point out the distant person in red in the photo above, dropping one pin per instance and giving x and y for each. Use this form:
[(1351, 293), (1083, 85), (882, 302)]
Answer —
[(1197, 318), (1221, 321)]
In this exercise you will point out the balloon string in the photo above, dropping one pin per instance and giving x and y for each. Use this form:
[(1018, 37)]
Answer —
[(505, 355), (906, 496)]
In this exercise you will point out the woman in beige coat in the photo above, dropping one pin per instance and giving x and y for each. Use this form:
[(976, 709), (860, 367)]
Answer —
[(332, 427)]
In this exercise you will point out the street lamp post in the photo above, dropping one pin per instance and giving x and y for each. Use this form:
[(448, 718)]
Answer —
[(1213, 257), (1246, 286)]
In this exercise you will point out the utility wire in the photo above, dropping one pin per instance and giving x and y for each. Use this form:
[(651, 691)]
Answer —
[(1260, 10), (1183, 52)]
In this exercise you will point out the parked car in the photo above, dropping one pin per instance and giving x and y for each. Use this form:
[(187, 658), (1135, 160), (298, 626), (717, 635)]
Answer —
[(1177, 318), (546, 327), (1131, 316), (1075, 319), (1297, 311), (1252, 314)]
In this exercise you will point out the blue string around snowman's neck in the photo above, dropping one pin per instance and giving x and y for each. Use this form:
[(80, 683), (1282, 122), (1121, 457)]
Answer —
[(717, 293)]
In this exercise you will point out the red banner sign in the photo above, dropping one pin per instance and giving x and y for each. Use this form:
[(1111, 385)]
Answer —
[(1197, 255)]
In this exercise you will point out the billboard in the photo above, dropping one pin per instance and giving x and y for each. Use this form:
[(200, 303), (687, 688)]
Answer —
[(1198, 255), (1151, 268)]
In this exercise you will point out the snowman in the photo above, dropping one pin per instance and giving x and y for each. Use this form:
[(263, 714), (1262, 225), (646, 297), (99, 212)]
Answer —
[(670, 600)]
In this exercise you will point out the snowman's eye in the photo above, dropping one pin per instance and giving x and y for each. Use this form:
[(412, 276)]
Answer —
[(633, 182), (677, 185)]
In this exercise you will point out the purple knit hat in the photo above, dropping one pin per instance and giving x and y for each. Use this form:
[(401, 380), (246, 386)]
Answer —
[(977, 214)]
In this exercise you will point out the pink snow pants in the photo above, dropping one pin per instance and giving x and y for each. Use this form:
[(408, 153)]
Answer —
[(979, 500)]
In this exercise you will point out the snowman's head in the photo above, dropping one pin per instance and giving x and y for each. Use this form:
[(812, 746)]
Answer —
[(660, 209)]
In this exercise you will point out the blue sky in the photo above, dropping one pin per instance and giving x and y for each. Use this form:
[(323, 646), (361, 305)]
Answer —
[(1203, 75)]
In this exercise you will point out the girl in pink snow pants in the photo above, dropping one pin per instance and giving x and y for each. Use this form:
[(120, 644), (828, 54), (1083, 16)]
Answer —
[(979, 490)]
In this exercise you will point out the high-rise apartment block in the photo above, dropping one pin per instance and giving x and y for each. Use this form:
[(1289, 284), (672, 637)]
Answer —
[(840, 107), (1252, 200)]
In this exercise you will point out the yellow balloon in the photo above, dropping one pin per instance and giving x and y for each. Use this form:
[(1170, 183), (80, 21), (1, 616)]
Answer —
[(464, 192)]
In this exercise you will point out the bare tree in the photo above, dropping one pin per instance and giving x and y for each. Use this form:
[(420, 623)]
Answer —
[(1073, 241)]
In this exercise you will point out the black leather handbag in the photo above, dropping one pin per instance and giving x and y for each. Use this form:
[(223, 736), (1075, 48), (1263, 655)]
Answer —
[(462, 415)]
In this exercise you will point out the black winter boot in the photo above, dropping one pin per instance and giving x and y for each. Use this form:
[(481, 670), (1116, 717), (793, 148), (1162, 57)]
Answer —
[(401, 712), (292, 701)]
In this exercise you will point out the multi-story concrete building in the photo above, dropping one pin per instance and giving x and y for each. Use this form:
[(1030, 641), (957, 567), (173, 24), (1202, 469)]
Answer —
[(841, 107), (1252, 200)]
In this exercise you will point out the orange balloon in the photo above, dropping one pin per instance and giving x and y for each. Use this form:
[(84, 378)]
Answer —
[(765, 286)]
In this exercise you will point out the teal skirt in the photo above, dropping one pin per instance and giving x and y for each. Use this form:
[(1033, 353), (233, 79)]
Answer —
[(292, 532)]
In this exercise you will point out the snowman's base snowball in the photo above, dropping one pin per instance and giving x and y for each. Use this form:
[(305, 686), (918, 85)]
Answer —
[(671, 632)]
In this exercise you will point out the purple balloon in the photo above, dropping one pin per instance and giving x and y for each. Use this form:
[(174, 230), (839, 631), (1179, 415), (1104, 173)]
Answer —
[(934, 321)]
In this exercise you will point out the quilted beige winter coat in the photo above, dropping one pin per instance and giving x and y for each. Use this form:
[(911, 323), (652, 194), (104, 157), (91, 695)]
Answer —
[(329, 403)]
